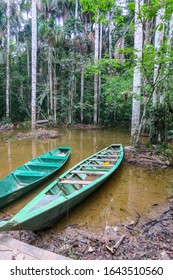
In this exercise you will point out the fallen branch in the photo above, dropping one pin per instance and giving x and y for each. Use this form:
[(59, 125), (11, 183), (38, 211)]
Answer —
[(118, 243), (152, 223), (5, 250), (131, 226), (114, 248)]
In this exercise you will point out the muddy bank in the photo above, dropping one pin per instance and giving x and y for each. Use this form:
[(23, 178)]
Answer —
[(84, 126), (6, 127), (38, 134), (141, 239), (148, 158)]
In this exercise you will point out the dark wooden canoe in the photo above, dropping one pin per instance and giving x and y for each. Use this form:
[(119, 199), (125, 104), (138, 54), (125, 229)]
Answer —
[(64, 193), (26, 177)]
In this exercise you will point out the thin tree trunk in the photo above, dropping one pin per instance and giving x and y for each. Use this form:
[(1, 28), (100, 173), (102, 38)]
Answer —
[(169, 44), (50, 80), (159, 34), (100, 78), (8, 62), (143, 120), (71, 94), (110, 35), (28, 61), (76, 15), (55, 96), (48, 89), (34, 64), (96, 55), (76, 9), (82, 94), (138, 43)]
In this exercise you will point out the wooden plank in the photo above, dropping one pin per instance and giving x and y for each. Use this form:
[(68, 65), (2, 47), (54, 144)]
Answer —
[(12, 249), (101, 159), (98, 165), (88, 172), (78, 182), (111, 156)]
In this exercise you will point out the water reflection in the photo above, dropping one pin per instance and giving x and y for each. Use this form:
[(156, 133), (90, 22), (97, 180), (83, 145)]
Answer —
[(130, 189)]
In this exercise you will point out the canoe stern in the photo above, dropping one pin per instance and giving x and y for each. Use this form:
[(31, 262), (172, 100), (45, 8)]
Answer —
[(8, 225)]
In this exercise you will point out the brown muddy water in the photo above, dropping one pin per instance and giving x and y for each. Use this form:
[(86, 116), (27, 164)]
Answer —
[(129, 189)]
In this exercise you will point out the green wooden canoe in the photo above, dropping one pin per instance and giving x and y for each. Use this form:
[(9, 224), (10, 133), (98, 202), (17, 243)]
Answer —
[(65, 192), (26, 177)]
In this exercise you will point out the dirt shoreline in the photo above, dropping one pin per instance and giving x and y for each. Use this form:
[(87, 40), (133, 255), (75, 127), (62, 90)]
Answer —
[(147, 158), (140, 240)]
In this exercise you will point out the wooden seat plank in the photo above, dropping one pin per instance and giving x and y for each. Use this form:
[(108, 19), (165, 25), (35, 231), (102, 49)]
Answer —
[(97, 165), (101, 159), (111, 156), (88, 172), (71, 181)]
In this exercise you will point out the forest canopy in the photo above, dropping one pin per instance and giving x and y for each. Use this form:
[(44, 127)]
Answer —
[(90, 62)]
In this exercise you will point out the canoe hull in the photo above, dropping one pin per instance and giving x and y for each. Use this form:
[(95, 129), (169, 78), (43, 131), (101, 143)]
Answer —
[(51, 216), (58, 198), (26, 177)]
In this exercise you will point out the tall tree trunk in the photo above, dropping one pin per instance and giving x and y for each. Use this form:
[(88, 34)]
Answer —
[(8, 62), (146, 96), (71, 95), (100, 78), (76, 16), (48, 95), (157, 128), (110, 35), (28, 61), (82, 94), (138, 43), (34, 65), (159, 34), (169, 44), (55, 96), (76, 9), (96, 55), (50, 80)]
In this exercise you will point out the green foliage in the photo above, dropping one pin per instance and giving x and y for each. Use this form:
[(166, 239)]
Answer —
[(164, 151), (26, 124), (71, 50), (5, 121), (158, 125), (73, 26), (102, 66), (117, 92), (97, 5)]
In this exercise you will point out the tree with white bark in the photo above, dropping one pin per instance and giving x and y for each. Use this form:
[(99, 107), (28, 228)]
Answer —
[(8, 62), (34, 65), (137, 78)]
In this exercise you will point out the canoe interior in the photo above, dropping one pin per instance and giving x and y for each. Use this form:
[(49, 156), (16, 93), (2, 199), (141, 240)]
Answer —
[(34, 170), (68, 190), (88, 171)]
